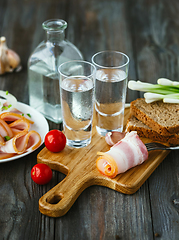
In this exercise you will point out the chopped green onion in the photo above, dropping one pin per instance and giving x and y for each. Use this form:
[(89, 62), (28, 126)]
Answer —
[(28, 114), (6, 107), (7, 138), (22, 114), (6, 97)]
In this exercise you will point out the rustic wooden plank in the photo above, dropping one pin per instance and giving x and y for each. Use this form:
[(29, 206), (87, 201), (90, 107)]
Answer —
[(165, 198), (156, 47), (103, 25), (146, 31), (20, 218), (96, 14), (108, 227)]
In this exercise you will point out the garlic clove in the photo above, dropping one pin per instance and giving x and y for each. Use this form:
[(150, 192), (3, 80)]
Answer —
[(14, 59), (114, 137), (9, 59), (2, 67)]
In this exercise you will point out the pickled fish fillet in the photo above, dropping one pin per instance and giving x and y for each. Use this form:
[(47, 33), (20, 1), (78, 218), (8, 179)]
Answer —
[(6, 155), (15, 135), (125, 154), (5, 130), (12, 116), (19, 126), (22, 142)]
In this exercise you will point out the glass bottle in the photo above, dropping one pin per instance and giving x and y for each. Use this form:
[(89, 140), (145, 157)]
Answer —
[(43, 79)]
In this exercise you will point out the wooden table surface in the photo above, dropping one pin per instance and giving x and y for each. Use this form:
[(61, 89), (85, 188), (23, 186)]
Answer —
[(147, 31)]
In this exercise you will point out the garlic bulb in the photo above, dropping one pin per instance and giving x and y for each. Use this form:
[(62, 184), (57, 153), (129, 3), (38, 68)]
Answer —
[(9, 60), (113, 137)]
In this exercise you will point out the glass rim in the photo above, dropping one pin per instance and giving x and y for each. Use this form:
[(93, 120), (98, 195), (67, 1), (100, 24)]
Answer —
[(110, 51), (76, 61), (58, 25)]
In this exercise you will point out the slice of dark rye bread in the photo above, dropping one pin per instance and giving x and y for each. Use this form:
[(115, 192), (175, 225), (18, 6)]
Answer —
[(160, 117), (133, 124)]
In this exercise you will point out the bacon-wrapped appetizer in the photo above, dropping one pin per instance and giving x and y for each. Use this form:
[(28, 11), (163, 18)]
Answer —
[(125, 154)]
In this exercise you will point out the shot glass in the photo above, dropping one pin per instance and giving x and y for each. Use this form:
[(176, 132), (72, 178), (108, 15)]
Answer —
[(77, 80), (110, 90)]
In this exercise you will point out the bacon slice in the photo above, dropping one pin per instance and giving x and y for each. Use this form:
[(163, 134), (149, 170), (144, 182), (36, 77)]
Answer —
[(125, 154), (22, 142), (11, 117)]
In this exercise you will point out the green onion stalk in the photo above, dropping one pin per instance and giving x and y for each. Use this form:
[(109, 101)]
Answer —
[(165, 90)]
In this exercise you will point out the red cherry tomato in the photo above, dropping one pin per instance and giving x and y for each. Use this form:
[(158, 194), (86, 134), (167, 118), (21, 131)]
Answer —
[(55, 141), (41, 173)]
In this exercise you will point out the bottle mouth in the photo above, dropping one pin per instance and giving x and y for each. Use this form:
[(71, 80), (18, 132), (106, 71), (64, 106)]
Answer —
[(54, 25)]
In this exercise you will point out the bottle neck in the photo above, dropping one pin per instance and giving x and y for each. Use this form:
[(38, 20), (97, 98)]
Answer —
[(55, 36)]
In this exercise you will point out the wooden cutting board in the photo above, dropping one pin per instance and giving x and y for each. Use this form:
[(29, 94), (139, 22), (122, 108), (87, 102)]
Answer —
[(79, 166)]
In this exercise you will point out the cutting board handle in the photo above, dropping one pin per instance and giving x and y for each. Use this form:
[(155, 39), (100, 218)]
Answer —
[(58, 200)]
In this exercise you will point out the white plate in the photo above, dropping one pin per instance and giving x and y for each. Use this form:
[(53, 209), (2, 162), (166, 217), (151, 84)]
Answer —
[(40, 125)]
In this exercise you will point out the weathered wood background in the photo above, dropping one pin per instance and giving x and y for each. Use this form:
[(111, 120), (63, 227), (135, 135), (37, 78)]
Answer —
[(148, 32)]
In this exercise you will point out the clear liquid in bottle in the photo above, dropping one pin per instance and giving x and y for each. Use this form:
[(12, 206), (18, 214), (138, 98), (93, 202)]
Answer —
[(43, 78)]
